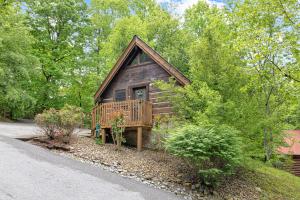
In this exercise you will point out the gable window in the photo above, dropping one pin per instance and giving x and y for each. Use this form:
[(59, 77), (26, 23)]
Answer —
[(135, 60), (140, 58), (120, 95), (144, 58)]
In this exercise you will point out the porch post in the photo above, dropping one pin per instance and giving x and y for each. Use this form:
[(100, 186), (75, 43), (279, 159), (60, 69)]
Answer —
[(139, 138), (103, 135), (93, 132)]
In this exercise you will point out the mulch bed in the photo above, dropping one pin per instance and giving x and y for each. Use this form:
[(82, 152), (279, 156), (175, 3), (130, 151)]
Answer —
[(153, 167)]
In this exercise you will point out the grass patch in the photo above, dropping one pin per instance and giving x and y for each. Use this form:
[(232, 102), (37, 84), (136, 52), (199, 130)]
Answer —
[(275, 183)]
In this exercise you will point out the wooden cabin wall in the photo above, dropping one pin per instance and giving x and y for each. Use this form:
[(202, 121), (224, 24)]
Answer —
[(159, 106), (146, 73), (296, 165)]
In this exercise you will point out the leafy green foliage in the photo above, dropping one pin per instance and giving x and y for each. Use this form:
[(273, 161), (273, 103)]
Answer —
[(163, 124), (247, 69), (99, 141), (195, 102), (215, 151), (59, 31), (271, 61), (70, 118), (16, 63), (117, 128), (60, 123), (143, 18), (48, 121)]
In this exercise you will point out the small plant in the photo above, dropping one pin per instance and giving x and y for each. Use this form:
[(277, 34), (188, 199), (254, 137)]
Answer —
[(98, 141), (117, 128)]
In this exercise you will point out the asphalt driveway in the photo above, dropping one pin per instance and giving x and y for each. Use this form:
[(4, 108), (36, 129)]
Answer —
[(31, 173), (25, 130)]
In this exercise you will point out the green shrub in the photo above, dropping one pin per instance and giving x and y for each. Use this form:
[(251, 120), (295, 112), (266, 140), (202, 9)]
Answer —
[(214, 151), (162, 125), (59, 123), (48, 121), (70, 118)]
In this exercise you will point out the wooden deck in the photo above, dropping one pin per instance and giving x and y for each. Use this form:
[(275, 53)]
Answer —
[(137, 113)]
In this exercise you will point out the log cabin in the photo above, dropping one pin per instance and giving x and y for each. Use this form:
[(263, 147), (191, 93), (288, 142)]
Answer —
[(129, 88), (292, 139)]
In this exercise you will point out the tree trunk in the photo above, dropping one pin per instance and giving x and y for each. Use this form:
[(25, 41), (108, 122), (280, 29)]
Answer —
[(119, 142), (80, 100), (265, 144), (267, 131)]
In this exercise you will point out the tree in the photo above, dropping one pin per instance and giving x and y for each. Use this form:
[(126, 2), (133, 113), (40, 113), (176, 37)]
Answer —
[(235, 81), (195, 103), (146, 19), (17, 64), (58, 28), (215, 62), (271, 52), (104, 16)]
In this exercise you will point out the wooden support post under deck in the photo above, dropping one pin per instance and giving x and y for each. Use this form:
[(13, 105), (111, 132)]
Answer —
[(139, 138), (103, 135)]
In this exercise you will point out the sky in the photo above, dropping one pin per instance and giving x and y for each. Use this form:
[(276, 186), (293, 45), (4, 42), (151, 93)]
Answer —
[(182, 5)]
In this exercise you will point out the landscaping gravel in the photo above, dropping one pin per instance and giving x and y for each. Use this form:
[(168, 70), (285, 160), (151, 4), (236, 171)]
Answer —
[(156, 168)]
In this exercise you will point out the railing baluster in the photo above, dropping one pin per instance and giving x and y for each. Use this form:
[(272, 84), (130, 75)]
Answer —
[(136, 113), (139, 112)]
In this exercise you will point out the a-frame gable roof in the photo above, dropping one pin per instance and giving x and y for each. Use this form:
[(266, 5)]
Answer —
[(137, 42)]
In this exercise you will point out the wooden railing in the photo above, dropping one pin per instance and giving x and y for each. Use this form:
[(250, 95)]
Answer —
[(135, 112)]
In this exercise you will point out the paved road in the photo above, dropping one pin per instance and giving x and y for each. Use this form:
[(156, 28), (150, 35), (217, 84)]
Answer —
[(25, 130), (29, 172)]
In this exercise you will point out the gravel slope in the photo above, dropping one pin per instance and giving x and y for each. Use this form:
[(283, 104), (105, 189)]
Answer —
[(158, 169)]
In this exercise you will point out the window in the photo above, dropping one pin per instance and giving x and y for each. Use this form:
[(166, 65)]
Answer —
[(135, 61), (144, 58), (140, 58), (140, 93), (120, 95)]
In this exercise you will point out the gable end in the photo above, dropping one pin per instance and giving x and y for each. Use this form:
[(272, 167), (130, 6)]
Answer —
[(137, 42)]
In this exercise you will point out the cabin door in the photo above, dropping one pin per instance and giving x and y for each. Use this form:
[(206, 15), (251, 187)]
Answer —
[(138, 93)]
